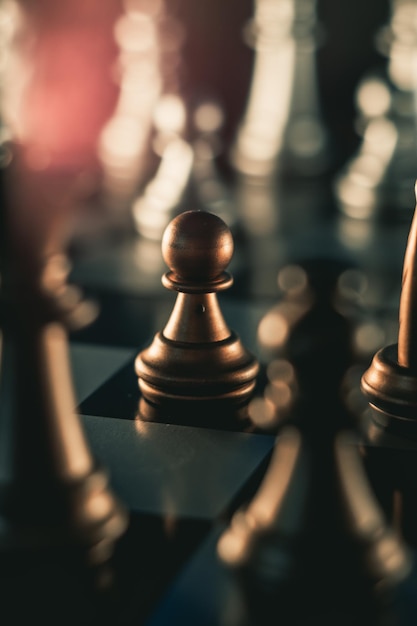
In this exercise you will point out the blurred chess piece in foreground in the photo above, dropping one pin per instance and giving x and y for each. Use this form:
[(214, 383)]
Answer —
[(390, 386), (377, 182), (313, 545), (59, 519)]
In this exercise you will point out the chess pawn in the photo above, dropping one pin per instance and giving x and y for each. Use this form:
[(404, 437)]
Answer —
[(390, 385), (313, 545), (196, 369)]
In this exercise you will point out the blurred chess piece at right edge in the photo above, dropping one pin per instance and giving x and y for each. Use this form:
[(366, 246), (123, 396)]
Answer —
[(390, 386), (59, 519)]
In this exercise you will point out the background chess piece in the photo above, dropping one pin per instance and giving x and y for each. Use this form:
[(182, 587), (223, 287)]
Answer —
[(167, 192), (376, 183), (196, 367), (283, 131), (306, 345)]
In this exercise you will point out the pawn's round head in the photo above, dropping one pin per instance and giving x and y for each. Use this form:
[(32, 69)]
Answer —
[(197, 246)]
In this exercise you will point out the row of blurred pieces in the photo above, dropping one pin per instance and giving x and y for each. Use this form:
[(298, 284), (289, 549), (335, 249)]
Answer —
[(164, 148), (114, 105)]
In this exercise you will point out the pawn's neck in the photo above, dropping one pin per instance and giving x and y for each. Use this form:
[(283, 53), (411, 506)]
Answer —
[(196, 318)]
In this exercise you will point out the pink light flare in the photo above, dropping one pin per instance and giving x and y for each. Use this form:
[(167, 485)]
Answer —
[(66, 52), (59, 91)]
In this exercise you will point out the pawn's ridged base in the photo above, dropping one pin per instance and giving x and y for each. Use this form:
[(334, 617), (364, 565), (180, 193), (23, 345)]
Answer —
[(197, 382), (390, 434), (391, 390)]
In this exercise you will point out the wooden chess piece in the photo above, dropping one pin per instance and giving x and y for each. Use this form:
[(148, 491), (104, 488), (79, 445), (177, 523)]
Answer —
[(196, 369), (59, 519), (390, 385), (313, 543)]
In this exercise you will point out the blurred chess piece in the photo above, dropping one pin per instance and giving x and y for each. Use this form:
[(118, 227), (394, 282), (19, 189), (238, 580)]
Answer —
[(59, 517), (196, 369), (282, 151), (164, 196), (213, 192), (312, 546), (187, 142), (282, 127), (390, 386), (377, 182), (150, 39), (306, 345)]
